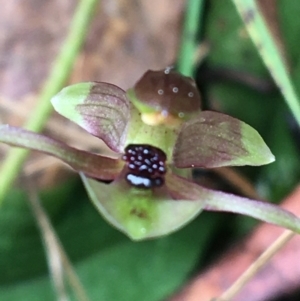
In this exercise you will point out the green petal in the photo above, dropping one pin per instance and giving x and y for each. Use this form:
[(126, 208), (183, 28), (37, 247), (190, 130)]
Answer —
[(102, 109), (140, 213), (214, 139), (93, 165)]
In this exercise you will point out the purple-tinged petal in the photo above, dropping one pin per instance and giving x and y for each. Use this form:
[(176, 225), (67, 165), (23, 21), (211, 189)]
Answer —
[(183, 189), (140, 213), (273, 214), (102, 109), (213, 139), (167, 92), (91, 164), (220, 201)]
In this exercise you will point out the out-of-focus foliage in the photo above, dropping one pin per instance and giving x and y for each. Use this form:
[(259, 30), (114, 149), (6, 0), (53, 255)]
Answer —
[(110, 266), (266, 112)]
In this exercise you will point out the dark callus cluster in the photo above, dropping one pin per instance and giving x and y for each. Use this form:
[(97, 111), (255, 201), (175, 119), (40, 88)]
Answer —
[(146, 165)]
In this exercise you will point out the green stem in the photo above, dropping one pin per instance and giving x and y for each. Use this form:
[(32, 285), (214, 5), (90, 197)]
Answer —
[(60, 73), (186, 57)]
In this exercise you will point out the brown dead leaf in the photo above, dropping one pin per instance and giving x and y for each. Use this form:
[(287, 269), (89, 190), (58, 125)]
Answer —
[(129, 38), (125, 39)]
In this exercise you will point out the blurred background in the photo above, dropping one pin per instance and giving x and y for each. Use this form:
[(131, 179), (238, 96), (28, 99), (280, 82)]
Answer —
[(124, 39)]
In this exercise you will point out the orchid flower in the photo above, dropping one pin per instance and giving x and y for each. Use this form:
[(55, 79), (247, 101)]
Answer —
[(158, 133)]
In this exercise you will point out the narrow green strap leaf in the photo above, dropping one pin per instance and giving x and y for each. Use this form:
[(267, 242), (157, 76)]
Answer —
[(214, 139), (102, 109), (91, 164), (189, 44), (273, 214), (269, 52)]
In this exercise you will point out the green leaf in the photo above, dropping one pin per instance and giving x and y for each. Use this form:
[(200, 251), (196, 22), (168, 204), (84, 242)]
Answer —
[(287, 165), (21, 249), (91, 164), (214, 139), (102, 256), (269, 51), (231, 48), (102, 109), (141, 213)]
